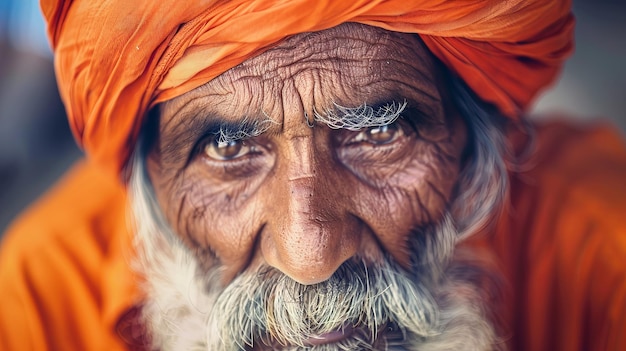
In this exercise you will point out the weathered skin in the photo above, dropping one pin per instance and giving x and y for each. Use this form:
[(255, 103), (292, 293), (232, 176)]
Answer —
[(305, 199)]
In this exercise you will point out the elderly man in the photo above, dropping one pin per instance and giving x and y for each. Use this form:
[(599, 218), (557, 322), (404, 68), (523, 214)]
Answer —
[(319, 176)]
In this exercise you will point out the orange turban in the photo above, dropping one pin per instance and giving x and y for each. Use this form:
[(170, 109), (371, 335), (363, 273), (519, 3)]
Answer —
[(117, 58)]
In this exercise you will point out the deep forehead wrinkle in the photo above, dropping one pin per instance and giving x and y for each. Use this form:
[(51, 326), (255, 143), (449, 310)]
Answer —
[(359, 63), (352, 76), (339, 43)]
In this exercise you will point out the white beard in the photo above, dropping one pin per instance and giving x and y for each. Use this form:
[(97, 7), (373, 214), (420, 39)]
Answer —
[(438, 305), (433, 308)]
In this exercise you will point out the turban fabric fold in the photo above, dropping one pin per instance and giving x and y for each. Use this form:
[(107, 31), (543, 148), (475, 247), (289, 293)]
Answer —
[(115, 59)]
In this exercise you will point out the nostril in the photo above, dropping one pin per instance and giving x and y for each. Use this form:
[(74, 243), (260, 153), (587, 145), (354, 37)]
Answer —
[(310, 233), (309, 272), (308, 257), (310, 251)]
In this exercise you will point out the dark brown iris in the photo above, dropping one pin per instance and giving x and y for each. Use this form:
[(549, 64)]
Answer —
[(382, 134), (226, 150)]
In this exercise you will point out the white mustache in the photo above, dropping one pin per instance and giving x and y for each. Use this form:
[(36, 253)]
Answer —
[(268, 308), (389, 307)]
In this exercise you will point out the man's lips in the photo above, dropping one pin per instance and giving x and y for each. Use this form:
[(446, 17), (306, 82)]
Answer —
[(330, 337), (335, 336), (386, 332)]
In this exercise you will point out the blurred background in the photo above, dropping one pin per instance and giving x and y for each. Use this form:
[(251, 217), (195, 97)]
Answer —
[(36, 146)]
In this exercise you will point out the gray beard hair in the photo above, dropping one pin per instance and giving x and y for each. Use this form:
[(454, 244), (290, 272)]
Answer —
[(430, 307), (437, 304)]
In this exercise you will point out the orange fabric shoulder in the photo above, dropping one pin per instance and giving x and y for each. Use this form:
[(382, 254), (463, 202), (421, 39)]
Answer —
[(63, 272), (65, 280), (562, 242)]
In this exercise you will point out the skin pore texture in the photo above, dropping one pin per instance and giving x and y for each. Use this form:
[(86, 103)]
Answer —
[(307, 194)]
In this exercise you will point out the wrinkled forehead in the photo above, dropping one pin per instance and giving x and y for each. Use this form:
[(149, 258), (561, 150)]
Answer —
[(350, 65), (358, 44)]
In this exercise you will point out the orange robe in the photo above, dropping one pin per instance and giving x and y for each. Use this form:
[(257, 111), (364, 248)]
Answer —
[(65, 282)]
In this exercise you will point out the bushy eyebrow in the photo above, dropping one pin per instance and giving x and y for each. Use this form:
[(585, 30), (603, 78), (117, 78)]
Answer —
[(360, 117), (179, 139), (182, 137), (247, 128), (338, 117)]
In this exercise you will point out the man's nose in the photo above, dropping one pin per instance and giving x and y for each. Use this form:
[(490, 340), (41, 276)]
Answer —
[(312, 233)]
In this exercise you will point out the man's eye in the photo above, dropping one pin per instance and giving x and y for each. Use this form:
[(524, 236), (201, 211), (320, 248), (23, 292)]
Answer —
[(226, 150), (380, 135)]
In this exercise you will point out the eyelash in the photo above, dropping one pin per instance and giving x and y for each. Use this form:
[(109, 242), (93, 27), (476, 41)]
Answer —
[(349, 138), (236, 168), (409, 124)]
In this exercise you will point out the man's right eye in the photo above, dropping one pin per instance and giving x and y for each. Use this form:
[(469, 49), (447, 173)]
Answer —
[(226, 150)]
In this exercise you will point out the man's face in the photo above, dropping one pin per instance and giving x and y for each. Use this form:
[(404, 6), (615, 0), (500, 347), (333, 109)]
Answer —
[(332, 146)]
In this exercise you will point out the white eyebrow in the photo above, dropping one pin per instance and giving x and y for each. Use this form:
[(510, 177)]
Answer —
[(245, 129), (357, 118), (340, 117)]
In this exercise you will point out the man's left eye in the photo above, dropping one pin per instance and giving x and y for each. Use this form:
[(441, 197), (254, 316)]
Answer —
[(226, 150), (380, 135)]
